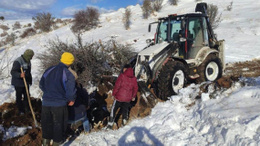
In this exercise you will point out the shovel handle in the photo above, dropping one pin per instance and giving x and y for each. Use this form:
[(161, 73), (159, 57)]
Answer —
[(29, 100)]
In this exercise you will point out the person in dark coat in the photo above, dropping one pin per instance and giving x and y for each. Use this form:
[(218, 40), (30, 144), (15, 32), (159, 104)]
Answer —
[(59, 90), (78, 112), (24, 62), (124, 92)]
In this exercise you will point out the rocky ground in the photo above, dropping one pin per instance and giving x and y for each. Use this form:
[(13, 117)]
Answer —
[(9, 116)]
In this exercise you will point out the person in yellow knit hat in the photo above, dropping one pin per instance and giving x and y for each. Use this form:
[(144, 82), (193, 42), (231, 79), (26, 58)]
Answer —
[(59, 90)]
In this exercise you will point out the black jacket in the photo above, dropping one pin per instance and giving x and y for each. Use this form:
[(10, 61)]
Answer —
[(79, 109), (16, 72)]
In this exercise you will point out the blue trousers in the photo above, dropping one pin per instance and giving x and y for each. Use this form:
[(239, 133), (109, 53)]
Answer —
[(85, 123)]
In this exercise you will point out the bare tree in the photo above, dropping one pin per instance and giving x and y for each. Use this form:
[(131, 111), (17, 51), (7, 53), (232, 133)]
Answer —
[(157, 5), (4, 27), (11, 39), (229, 7), (2, 18), (44, 21), (126, 18), (147, 8), (16, 25), (85, 19), (4, 34), (214, 17), (174, 2), (5, 61), (28, 32)]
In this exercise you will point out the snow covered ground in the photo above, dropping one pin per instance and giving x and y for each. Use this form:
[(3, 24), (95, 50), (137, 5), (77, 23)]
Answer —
[(232, 118)]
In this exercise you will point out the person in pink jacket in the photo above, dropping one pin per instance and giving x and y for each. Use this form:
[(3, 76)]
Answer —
[(124, 92)]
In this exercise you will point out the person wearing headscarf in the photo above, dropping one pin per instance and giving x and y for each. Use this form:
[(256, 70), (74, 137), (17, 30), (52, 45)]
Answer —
[(24, 62)]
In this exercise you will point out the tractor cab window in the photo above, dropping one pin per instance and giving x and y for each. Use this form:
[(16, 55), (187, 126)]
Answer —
[(175, 26), (195, 36), (162, 32)]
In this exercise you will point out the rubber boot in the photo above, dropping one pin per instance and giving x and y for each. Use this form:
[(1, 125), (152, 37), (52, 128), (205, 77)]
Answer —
[(46, 142)]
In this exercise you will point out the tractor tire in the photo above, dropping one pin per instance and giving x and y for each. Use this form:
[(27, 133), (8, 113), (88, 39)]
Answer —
[(172, 78), (210, 69)]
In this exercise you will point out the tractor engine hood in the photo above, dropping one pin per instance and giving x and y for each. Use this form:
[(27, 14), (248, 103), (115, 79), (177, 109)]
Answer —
[(153, 50)]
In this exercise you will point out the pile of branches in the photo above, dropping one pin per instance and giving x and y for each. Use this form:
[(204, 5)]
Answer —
[(92, 60)]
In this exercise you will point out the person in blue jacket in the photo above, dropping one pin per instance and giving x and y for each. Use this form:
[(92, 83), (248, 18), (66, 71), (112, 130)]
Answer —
[(58, 86)]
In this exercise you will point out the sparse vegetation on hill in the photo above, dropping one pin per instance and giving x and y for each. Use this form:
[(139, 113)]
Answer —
[(2, 18), (174, 2), (126, 18), (16, 25), (4, 27), (43, 21), (28, 32), (85, 20), (147, 8), (214, 16), (157, 5)]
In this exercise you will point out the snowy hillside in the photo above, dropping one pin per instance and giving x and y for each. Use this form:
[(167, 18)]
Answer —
[(232, 118)]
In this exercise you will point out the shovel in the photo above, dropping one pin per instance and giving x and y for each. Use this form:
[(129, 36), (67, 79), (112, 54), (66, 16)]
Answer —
[(29, 100)]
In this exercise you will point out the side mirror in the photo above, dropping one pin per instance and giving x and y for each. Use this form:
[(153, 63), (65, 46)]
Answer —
[(182, 39), (149, 28)]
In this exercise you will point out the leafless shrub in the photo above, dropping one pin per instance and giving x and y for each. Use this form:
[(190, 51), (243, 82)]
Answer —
[(5, 61), (230, 6), (2, 18), (119, 54), (126, 18), (28, 32), (85, 20), (36, 25), (4, 34), (44, 21), (157, 5), (92, 60), (58, 21), (10, 39), (28, 25), (2, 43), (4, 27), (67, 21), (147, 8), (174, 2), (16, 25), (214, 17)]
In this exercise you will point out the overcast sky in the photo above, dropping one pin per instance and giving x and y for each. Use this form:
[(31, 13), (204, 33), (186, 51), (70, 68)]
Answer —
[(19, 9)]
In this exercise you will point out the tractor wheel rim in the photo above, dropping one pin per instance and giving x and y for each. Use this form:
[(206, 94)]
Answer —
[(212, 71), (178, 81)]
